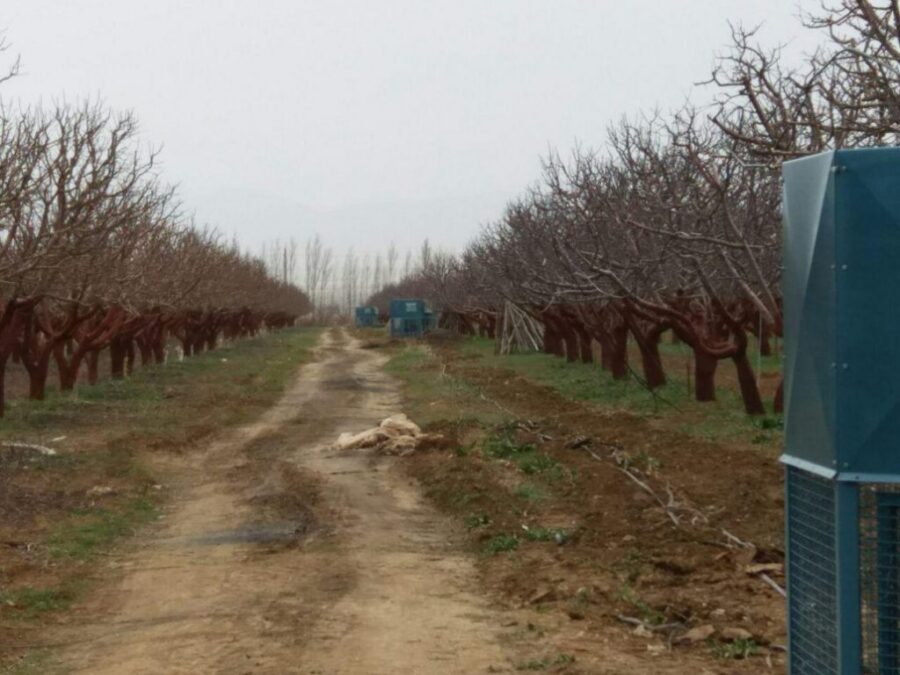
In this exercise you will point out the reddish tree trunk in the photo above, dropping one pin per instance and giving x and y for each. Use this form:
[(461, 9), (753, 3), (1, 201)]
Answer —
[(704, 376), (11, 327), (117, 358), (586, 347), (552, 340), (159, 347), (37, 377), (651, 361), (746, 378), (66, 370), (619, 352), (570, 338), (146, 352), (779, 397), (585, 352), (34, 351), (605, 353), (129, 356), (3, 359), (749, 390), (765, 342), (647, 334), (67, 378), (93, 366)]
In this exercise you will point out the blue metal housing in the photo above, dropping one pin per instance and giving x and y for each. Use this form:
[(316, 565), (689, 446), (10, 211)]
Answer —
[(842, 407), (410, 318), (842, 274), (366, 316)]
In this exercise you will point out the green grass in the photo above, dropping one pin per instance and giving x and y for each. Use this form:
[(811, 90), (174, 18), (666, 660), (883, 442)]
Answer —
[(475, 521), (252, 371), (554, 534), (501, 444), (543, 664), (34, 662), (28, 602), (501, 543), (530, 492), (433, 395), (720, 419), (84, 533), (742, 648)]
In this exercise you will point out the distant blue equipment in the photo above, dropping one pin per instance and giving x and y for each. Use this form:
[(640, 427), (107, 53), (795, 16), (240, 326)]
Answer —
[(410, 318), (841, 286), (366, 316)]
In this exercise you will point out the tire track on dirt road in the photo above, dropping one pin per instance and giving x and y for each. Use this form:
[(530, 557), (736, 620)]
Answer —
[(365, 579)]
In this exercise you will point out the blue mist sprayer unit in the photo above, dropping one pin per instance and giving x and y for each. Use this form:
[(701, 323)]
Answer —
[(410, 318), (366, 316), (841, 289)]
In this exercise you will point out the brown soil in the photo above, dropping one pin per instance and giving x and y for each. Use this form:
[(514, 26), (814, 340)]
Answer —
[(277, 555), (625, 557)]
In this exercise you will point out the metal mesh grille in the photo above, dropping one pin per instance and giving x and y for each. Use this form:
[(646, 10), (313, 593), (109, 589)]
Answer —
[(880, 578), (811, 574)]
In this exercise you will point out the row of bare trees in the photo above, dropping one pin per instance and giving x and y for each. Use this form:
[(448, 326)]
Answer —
[(95, 254), (675, 224), (337, 285)]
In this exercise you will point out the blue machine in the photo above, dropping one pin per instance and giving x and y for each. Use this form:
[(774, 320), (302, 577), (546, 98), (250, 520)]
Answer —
[(410, 318), (842, 404), (366, 316)]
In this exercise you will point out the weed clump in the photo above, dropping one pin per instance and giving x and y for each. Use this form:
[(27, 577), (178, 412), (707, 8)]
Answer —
[(529, 460), (81, 536), (29, 602), (543, 664), (501, 543), (739, 649), (529, 492), (477, 520), (555, 534)]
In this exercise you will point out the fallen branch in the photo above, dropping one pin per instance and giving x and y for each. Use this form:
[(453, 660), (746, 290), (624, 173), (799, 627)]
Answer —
[(653, 628), (732, 541), (738, 542), (646, 488), (761, 575), (774, 584), (490, 400), (17, 445)]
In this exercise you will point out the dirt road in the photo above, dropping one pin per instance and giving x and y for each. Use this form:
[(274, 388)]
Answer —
[(277, 555)]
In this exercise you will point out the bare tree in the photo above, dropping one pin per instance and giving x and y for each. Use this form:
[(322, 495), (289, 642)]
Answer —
[(13, 68), (392, 257)]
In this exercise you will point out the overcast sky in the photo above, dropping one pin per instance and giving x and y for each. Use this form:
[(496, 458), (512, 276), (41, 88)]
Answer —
[(371, 120)]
